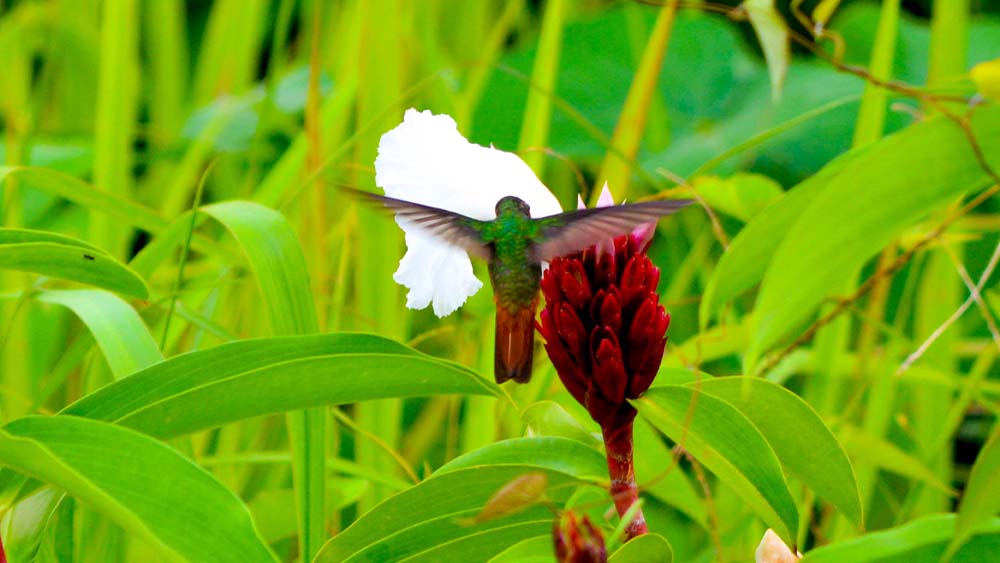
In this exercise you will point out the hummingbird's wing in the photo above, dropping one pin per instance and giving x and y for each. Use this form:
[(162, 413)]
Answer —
[(573, 231), (447, 226)]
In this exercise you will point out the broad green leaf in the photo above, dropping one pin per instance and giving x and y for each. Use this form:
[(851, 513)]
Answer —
[(557, 454), (649, 548), (741, 195), (920, 541), (143, 485), (683, 376), (274, 254), (916, 171), (238, 380), (63, 257), (431, 515), (729, 445), (877, 451), (548, 418), (658, 476), (981, 499), (16, 236), (540, 549), (481, 545), (208, 388), (118, 330), (804, 445), (773, 37), (279, 266), (750, 252), (24, 524)]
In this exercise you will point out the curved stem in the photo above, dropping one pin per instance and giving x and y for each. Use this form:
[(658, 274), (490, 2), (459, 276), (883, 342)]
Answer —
[(618, 445)]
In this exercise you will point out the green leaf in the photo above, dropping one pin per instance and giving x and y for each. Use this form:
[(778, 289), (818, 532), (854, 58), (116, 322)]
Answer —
[(729, 445), (18, 236), (482, 545), (557, 454), (773, 37), (24, 525), (430, 516), (746, 260), (668, 484), (981, 499), (268, 375), (540, 549), (274, 254), (273, 510), (118, 330), (921, 541), (807, 449), (916, 171), (63, 257), (276, 259), (82, 193), (548, 418), (649, 548), (741, 195), (885, 455), (143, 485)]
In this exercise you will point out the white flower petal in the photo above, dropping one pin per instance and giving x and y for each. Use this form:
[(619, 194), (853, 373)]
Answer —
[(435, 273), (426, 160)]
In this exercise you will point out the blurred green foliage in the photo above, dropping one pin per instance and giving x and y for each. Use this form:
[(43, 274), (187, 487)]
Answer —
[(117, 117)]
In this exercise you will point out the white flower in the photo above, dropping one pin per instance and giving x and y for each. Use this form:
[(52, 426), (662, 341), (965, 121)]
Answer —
[(773, 550), (426, 160)]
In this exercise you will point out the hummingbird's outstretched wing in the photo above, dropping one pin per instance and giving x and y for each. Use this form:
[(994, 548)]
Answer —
[(573, 231), (448, 226)]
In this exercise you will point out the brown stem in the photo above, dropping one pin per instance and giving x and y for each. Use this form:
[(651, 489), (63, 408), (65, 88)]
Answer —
[(618, 444)]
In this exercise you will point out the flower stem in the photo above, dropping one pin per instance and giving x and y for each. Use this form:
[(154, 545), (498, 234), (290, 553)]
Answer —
[(618, 444)]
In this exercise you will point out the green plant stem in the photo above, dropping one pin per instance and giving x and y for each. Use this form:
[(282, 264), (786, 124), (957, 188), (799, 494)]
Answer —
[(617, 168)]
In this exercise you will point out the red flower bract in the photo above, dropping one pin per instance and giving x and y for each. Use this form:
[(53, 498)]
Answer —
[(604, 327), (578, 541)]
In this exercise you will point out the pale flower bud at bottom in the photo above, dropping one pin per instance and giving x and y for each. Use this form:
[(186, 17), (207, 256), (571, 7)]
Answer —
[(773, 550)]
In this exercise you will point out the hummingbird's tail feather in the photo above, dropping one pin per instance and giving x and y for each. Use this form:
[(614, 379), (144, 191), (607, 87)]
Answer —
[(515, 343)]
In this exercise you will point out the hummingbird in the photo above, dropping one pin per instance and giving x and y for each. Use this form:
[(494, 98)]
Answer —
[(515, 245)]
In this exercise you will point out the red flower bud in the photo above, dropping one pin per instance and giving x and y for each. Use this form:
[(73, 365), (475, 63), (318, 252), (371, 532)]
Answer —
[(578, 542)]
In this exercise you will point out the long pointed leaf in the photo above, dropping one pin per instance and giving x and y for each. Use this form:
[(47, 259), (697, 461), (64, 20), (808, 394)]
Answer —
[(729, 445), (63, 257), (142, 484)]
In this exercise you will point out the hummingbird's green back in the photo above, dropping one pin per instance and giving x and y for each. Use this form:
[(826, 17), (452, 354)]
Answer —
[(513, 270)]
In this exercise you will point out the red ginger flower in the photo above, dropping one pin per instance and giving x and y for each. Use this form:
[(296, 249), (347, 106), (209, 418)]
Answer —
[(604, 326), (604, 331)]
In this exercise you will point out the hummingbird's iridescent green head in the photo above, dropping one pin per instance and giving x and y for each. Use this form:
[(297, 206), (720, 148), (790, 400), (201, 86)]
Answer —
[(510, 204)]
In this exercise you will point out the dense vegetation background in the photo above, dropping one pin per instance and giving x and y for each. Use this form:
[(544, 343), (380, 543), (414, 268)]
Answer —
[(840, 255)]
